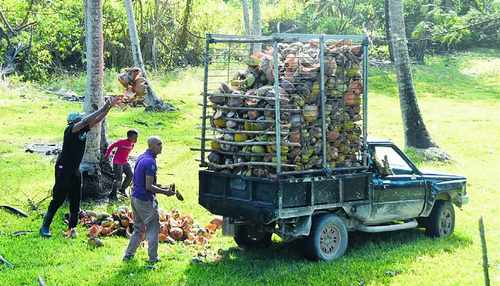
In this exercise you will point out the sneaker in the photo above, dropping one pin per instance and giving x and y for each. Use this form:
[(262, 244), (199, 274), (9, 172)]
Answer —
[(113, 198), (154, 261), (71, 233), (45, 231), (127, 258)]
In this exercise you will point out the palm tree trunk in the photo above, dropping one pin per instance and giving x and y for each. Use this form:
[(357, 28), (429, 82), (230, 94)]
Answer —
[(152, 100), (154, 50), (416, 134), (246, 23), (183, 36), (246, 18), (257, 24), (387, 29), (93, 97)]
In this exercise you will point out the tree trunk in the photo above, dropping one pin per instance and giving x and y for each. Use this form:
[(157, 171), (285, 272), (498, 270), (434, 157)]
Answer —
[(257, 24), (246, 24), (387, 29), (185, 26), (154, 49), (416, 134), (152, 100), (93, 98), (246, 18)]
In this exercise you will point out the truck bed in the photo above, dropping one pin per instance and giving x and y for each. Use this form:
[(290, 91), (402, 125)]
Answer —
[(266, 200)]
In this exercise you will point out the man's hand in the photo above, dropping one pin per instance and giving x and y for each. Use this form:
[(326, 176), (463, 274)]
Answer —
[(114, 100), (169, 191)]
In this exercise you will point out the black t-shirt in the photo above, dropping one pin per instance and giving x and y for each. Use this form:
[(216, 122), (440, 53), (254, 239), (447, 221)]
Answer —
[(72, 149)]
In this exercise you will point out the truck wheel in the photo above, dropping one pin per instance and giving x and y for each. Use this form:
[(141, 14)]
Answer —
[(328, 238), (441, 222), (250, 237)]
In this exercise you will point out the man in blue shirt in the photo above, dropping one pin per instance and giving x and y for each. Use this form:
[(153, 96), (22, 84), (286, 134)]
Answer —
[(144, 203)]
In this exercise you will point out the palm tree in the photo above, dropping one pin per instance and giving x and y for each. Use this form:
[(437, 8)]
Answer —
[(93, 96), (246, 17), (416, 134), (257, 24)]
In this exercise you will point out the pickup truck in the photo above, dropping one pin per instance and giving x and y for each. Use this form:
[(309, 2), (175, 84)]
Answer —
[(322, 208)]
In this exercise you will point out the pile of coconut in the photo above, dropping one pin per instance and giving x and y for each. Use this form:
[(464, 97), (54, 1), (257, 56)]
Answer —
[(174, 226), (243, 119)]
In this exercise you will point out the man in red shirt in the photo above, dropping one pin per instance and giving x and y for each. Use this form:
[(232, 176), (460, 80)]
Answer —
[(120, 163)]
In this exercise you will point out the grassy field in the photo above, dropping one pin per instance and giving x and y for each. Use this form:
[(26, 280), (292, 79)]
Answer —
[(459, 96)]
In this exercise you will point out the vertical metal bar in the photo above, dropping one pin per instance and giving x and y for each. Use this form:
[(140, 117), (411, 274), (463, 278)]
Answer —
[(365, 101), (228, 61), (205, 94), (313, 184), (322, 98), (277, 112), (280, 197), (341, 190)]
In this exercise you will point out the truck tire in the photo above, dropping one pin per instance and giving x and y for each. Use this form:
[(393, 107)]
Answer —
[(328, 238), (441, 222), (251, 237)]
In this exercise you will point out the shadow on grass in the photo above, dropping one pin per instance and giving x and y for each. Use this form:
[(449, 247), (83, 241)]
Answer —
[(370, 259)]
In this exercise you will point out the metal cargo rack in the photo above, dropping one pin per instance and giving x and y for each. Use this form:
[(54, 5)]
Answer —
[(226, 54)]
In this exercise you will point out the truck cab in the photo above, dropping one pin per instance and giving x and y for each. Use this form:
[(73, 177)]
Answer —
[(401, 191)]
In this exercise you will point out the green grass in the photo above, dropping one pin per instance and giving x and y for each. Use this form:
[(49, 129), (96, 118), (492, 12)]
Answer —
[(459, 98)]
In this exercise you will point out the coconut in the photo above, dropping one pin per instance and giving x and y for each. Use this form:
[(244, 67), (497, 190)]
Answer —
[(94, 230), (231, 124), (95, 242), (249, 80), (218, 99), (310, 113), (253, 114), (176, 233), (258, 149), (240, 137), (215, 158)]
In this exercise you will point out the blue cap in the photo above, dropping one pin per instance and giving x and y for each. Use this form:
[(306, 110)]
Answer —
[(74, 117)]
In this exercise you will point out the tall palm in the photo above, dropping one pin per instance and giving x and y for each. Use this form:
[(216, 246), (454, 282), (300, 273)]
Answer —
[(246, 17), (416, 134), (93, 96), (257, 24)]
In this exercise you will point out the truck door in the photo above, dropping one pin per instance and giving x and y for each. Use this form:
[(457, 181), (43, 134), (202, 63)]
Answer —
[(398, 187)]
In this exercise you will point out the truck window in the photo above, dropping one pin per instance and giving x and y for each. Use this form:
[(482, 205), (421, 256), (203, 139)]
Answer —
[(386, 155)]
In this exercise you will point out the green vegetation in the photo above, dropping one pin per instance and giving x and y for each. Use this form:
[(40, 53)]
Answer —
[(57, 38), (459, 98)]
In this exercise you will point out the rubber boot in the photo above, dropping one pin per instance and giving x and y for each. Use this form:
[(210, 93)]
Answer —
[(113, 196), (123, 193), (45, 229)]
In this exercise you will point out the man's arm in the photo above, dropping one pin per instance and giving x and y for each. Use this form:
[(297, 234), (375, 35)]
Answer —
[(95, 117), (151, 187), (110, 148)]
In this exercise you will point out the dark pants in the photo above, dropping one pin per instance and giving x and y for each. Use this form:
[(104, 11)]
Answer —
[(68, 185), (118, 171)]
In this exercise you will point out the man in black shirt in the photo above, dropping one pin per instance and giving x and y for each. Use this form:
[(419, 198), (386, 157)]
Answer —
[(67, 173)]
